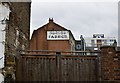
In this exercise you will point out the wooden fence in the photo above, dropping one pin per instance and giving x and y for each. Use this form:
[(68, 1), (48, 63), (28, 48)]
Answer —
[(57, 68)]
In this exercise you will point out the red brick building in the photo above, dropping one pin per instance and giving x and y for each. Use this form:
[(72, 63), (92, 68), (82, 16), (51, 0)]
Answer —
[(52, 36)]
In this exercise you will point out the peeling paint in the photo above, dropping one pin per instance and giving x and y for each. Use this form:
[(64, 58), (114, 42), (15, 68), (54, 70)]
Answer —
[(17, 37), (4, 15), (14, 32)]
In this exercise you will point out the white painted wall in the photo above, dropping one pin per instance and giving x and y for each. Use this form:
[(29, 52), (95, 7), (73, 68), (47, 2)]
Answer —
[(4, 15)]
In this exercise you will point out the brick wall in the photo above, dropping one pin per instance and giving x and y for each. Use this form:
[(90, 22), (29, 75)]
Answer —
[(39, 39), (17, 33), (110, 64)]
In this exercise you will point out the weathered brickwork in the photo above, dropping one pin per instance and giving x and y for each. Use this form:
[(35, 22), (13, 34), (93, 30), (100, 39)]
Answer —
[(110, 63), (17, 33)]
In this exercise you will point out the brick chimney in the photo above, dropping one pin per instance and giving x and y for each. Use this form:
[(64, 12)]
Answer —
[(50, 20)]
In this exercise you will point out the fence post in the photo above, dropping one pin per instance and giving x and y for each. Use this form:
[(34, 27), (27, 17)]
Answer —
[(58, 63), (99, 66), (18, 66)]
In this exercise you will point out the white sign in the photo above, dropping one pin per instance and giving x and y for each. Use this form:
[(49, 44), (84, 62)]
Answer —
[(57, 35), (98, 36)]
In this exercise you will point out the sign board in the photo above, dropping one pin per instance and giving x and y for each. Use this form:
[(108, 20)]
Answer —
[(57, 35), (98, 35)]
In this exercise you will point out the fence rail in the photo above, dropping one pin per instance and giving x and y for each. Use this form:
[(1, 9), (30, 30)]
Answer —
[(54, 52)]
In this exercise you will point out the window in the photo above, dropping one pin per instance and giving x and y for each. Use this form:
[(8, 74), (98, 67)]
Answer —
[(78, 46)]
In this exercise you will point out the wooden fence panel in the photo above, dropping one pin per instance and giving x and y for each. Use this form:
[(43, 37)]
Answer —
[(57, 68)]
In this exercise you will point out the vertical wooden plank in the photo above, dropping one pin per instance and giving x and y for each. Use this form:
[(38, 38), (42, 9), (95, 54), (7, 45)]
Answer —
[(91, 69), (40, 60), (74, 69), (42, 70), (92, 72), (58, 66), (50, 70), (65, 73), (77, 71), (18, 69), (35, 70), (22, 70), (62, 63), (45, 68), (29, 67), (64, 70), (87, 69), (82, 69), (38, 69), (53, 69), (96, 69), (25, 69), (69, 69), (32, 68)]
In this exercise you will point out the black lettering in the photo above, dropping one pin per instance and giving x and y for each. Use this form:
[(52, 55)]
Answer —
[(53, 32), (58, 36), (49, 36), (62, 36), (65, 36), (52, 36), (55, 36)]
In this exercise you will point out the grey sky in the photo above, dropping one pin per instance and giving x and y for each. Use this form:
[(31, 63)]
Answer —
[(84, 18)]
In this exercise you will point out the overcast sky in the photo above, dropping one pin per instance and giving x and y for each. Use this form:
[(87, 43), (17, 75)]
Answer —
[(81, 17)]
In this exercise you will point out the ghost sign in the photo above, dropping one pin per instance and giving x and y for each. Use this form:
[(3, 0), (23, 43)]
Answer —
[(57, 35)]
